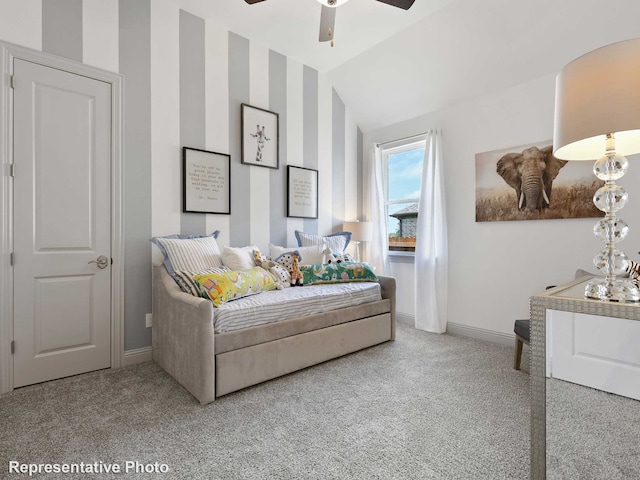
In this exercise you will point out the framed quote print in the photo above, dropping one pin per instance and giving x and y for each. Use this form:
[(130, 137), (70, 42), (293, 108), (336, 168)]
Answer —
[(302, 192), (260, 137), (206, 181)]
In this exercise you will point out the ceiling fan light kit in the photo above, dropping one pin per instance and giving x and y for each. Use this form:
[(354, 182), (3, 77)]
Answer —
[(328, 14), (332, 3)]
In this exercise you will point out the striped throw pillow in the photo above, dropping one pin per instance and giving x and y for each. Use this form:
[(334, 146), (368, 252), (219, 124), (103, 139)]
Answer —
[(191, 254), (337, 242)]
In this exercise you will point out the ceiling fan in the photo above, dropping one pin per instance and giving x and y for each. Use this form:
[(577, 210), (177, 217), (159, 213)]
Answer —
[(328, 14)]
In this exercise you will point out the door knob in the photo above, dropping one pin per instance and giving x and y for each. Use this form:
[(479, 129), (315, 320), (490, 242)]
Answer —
[(101, 261)]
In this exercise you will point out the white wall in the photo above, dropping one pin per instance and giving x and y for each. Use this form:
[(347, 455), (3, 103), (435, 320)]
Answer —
[(494, 267)]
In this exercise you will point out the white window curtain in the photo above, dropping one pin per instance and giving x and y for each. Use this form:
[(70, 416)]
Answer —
[(378, 248), (431, 256)]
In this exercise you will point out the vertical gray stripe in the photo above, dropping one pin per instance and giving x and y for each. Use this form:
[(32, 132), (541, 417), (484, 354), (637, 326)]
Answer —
[(360, 173), (240, 233), (135, 64), (277, 178), (62, 28), (310, 129), (338, 181), (192, 103)]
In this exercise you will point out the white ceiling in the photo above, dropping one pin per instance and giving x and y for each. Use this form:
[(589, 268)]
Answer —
[(391, 65), (291, 27), (472, 48)]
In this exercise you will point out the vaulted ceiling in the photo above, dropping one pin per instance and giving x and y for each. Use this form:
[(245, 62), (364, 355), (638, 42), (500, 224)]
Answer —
[(390, 65), (291, 27)]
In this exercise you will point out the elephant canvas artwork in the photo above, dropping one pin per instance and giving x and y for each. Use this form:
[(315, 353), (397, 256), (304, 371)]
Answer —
[(529, 183)]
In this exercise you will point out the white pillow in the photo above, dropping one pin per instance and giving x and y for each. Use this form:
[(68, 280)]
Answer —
[(309, 255), (191, 254), (337, 242), (239, 258)]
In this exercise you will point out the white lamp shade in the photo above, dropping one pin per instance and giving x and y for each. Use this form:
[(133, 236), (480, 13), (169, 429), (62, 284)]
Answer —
[(360, 231), (598, 94)]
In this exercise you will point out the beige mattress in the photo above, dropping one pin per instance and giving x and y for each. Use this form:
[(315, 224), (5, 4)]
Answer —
[(292, 302)]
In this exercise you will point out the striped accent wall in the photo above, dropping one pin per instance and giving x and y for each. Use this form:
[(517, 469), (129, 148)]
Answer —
[(239, 91), (135, 63), (62, 28), (192, 102), (295, 135), (100, 34), (259, 177), (185, 79), (310, 129), (166, 143), (278, 179), (217, 114), (339, 153)]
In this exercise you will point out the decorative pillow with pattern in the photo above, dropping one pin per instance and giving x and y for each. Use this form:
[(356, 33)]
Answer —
[(309, 255), (283, 276), (348, 257), (190, 254), (188, 284), (338, 273), (337, 242), (340, 258), (227, 286), (280, 274), (286, 260)]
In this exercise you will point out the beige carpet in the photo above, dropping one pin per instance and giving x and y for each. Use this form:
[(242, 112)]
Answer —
[(591, 435), (423, 407)]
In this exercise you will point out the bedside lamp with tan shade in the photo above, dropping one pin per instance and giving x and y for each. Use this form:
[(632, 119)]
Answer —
[(597, 111), (360, 232)]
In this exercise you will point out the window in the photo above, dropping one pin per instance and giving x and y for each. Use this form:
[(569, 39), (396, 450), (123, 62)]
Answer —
[(402, 162)]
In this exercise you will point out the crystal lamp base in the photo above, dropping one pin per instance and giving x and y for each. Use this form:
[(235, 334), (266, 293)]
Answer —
[(618, 290)]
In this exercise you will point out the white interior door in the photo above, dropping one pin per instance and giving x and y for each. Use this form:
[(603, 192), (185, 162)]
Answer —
[(62, 217)]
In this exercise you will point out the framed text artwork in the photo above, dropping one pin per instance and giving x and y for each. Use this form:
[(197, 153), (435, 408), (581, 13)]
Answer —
[(302, 192), (206, 181), (260, 137)]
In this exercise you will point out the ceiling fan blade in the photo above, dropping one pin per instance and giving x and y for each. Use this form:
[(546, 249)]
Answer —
[(327, 24), (251, 2), (404, 4)]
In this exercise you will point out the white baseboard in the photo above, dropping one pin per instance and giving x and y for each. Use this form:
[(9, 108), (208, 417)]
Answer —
[(405, 318), (137, 355), (481, 334), (466, 331)]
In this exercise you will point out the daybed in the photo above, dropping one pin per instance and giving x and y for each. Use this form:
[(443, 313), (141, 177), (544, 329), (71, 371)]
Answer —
[(210, 364)]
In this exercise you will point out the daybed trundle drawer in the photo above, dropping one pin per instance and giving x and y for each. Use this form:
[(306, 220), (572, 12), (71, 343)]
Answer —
[(247, 366)]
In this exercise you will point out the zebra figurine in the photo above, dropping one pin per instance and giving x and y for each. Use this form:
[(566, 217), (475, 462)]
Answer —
[(633, 269)]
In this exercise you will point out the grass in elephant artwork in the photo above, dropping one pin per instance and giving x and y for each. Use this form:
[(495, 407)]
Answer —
[(529, 183)]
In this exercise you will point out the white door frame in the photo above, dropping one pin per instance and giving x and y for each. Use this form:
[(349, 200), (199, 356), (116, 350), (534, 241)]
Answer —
[(8, 52)]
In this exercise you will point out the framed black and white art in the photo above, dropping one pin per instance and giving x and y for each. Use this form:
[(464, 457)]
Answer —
[(260, 137), (302, 192), (206, 181)]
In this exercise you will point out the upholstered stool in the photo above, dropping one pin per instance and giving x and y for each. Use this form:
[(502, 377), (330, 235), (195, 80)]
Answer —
[(521, 329)]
